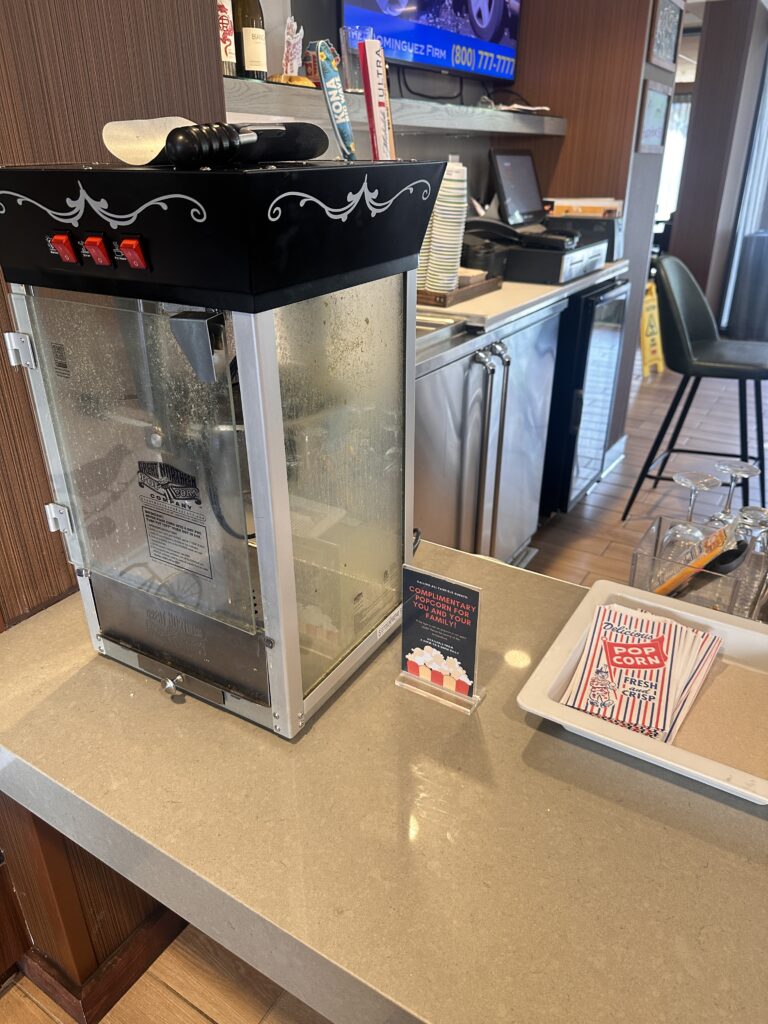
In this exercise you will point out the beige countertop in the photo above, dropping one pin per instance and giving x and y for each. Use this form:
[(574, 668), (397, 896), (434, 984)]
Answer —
[(516, 298), (401, 862)]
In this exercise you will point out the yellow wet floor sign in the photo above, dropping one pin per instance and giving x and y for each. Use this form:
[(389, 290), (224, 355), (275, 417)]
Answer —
[(650, 332)]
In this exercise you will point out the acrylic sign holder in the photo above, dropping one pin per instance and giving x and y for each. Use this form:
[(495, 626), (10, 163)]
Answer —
[(439, 639), (458, 701)]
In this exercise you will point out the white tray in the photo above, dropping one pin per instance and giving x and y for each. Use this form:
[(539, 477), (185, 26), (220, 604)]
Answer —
[(730, 713)]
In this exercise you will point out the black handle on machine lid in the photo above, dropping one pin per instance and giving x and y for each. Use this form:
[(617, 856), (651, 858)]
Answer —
[(219, 144)]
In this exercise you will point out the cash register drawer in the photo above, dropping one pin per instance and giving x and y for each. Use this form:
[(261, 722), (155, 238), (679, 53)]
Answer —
[(553, 266)]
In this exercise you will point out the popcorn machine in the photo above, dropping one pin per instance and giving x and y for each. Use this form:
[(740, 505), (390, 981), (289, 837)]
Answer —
[(221, 363)]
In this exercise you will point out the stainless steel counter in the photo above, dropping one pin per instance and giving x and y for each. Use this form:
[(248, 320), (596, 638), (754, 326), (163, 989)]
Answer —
[(492, 316), (401, 862), (516, 299)]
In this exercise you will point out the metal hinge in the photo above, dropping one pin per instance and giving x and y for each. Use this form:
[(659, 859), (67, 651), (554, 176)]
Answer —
[(21, 350), (59, 519)]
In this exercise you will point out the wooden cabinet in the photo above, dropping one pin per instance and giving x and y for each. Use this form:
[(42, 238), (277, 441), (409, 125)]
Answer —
[(78, 930), (14, 940)]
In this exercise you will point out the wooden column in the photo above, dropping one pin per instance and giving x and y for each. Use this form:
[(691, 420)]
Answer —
[(77, 929), (726, 94), (68, 67)]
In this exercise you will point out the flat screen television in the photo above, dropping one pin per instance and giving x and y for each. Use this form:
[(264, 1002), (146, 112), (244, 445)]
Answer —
[(466, 37)]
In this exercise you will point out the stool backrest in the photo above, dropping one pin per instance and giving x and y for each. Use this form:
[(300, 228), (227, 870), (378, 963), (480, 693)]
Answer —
[(686, 319)]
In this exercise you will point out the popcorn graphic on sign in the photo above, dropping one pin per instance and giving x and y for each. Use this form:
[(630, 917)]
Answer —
[(429, 664)]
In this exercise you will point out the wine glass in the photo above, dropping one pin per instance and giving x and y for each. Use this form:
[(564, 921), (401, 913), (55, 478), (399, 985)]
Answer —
[(737, 471), (754, 517), (696, 483), (753, 527)]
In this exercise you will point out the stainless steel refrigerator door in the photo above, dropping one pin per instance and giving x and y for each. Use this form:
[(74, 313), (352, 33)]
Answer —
[(532, 367), (457, 421)]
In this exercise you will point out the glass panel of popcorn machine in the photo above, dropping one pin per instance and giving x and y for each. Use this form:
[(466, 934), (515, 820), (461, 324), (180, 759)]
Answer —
[(149, 443), (341, 363)]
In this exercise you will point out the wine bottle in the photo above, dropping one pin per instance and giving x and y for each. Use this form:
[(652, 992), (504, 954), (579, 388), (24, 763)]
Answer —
[(250, 39), (226, 37)]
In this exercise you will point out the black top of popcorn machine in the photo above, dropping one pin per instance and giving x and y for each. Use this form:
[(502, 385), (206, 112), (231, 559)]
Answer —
[(245, 239)]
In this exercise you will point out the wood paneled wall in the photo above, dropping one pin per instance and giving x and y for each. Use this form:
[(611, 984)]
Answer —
[(584, 60), (78, 63), (33, 570), (587, 60), (67, 67)]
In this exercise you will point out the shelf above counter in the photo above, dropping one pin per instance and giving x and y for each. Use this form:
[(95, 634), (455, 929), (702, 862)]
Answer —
[(411, 117)]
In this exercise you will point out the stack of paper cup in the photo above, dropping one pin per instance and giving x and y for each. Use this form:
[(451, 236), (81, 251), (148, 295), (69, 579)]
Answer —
[(441, 252), (421, 274)]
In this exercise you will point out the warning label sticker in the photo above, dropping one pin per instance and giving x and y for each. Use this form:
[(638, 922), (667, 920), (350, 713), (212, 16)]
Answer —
[(178, 541), (60, 365)]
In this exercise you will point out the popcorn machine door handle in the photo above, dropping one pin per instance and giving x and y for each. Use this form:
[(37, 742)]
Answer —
[(487, 363)]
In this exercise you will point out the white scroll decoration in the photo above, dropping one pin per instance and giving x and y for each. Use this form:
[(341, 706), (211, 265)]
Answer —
[(77, 207), (365, 194)]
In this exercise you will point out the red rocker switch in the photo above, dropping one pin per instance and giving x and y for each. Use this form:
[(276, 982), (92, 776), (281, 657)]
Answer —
[(63, 245), (131, 249), (98, 251)]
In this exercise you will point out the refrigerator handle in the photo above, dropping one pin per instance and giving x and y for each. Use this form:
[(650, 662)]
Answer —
[(499, 349), (577, 410), (618, 290), (487, 363)]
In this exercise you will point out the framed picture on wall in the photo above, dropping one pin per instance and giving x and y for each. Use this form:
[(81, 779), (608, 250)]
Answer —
[(654, 115), (665, 33)]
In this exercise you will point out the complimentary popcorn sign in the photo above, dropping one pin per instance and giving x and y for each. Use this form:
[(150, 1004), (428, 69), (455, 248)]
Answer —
[(440, 631)]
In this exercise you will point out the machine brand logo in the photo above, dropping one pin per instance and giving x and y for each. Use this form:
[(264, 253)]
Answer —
[(166, 483), (364, 194), (168, 625), (77, 207)]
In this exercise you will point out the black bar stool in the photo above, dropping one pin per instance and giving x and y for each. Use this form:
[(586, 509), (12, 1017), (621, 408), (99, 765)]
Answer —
[(693, 347)]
